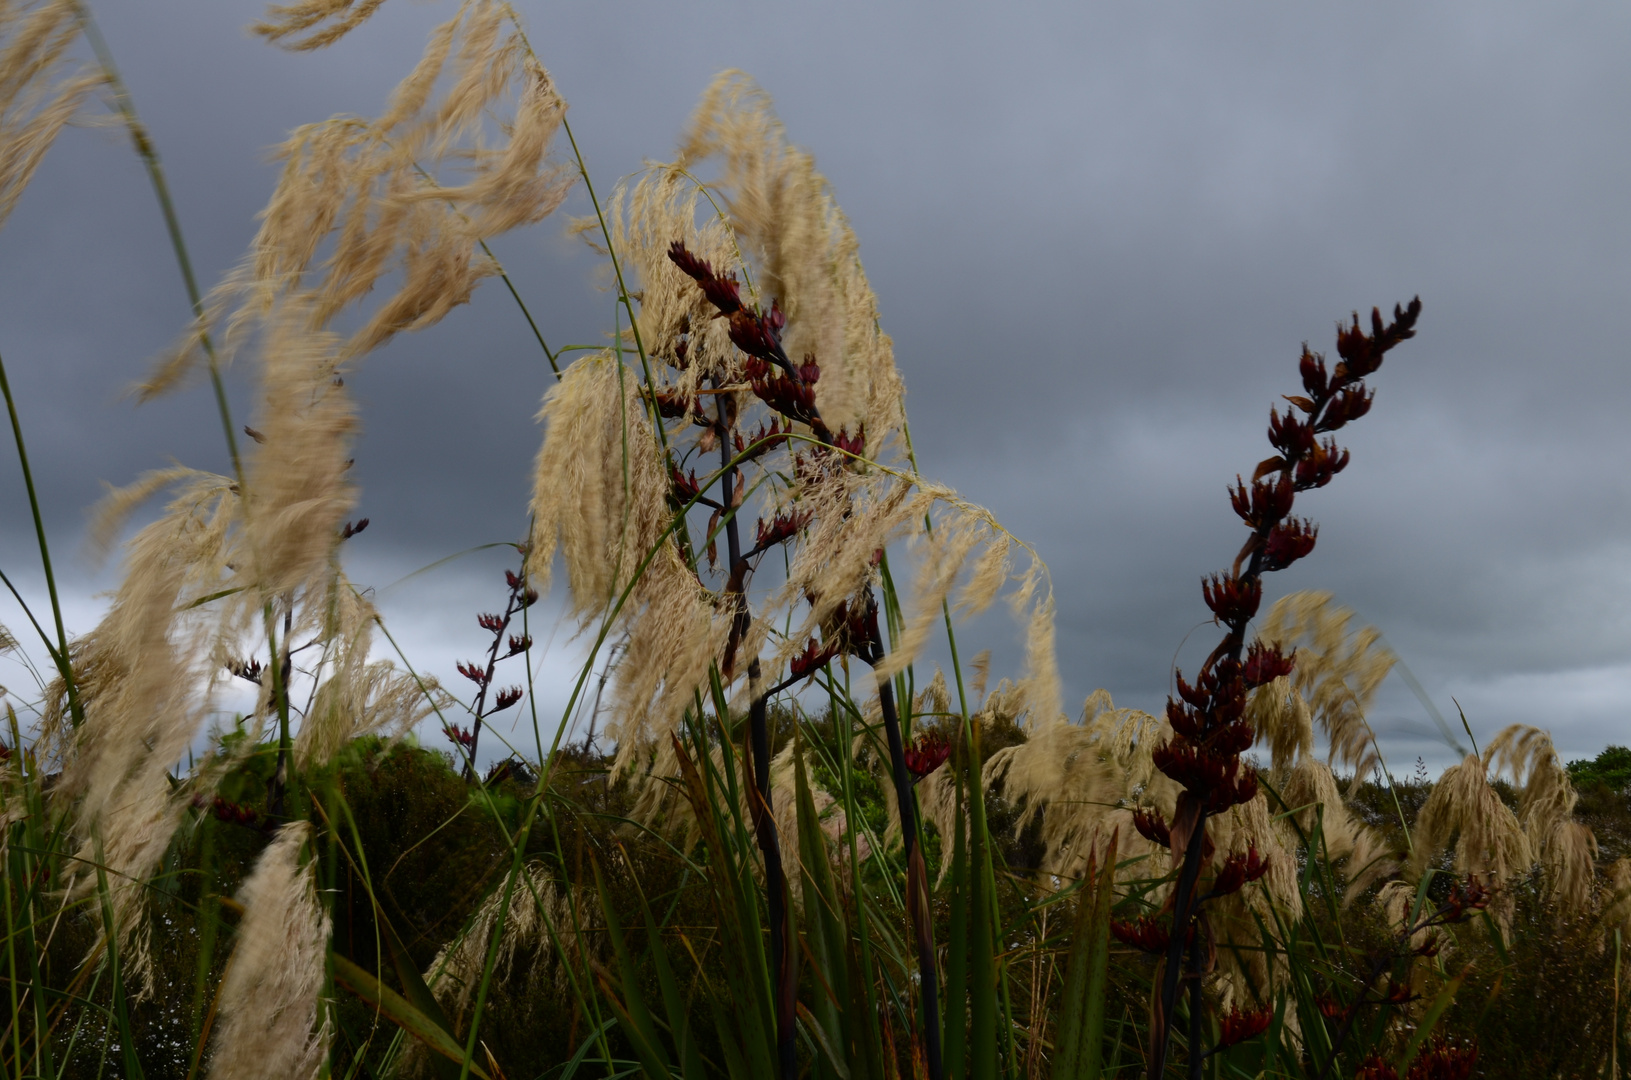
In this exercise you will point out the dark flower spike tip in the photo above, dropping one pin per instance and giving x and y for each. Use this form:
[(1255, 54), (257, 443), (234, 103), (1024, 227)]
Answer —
[(722, 292)]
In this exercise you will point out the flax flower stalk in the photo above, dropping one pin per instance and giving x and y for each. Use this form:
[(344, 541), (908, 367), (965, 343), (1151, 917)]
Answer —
[(1210, 729)]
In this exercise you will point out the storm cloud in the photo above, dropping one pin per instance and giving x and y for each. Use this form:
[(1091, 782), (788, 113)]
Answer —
[(1099, 235)]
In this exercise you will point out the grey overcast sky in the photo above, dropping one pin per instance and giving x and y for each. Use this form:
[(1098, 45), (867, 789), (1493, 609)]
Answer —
[(1099, 233)]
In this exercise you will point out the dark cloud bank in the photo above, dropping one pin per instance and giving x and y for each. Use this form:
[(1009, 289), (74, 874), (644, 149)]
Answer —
[(1098, 235)]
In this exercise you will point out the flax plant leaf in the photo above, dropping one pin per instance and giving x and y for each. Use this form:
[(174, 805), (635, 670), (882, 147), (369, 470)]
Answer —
[(397, 1009)]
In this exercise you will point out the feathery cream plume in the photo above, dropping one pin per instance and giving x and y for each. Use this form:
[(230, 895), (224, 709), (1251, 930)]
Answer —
[(1338, 671), (600, 494), (537, 907), (358, 696), (144, 686), (369, 194), (1489, 839), (783, 214), (271, 997), (40, 91), (284, 21), (1565, 848)]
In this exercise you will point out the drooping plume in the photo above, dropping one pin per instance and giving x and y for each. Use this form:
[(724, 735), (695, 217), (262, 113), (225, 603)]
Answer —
[(271, 999)]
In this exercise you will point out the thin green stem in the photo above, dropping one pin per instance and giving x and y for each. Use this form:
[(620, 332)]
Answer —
[(149, 154), (64, 667)]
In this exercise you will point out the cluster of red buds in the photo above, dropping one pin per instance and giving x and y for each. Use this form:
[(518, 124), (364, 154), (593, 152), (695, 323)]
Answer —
[(793, 397), (1440, 1060), (1237, 1026), (927, 753), (1210, 731), (761, 441), (353, 528), (671, 404), (784, 526), (1145, 932), (527, 594), (1465, 898), (850, 630), (522, 596), (1238, 869), (226, 811)]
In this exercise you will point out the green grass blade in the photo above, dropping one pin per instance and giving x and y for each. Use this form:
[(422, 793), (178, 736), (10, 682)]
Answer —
[(399, 1011)]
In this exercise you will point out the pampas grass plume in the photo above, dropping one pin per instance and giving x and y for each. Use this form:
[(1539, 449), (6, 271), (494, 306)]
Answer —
[(270, 1000)]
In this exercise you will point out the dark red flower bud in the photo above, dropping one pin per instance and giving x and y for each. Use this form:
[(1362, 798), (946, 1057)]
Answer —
[(1238, 869), (494, 623), (852, 444), (763, 440), (1264, 664), (1233, 600), (512, 580), (1287, 542), (1237, 1027), (927, 753), (1322, 463), (1443, 1060), (1187, 723), (1265, 503), (1376, 1067), (506, 698), (813, 656), (673, 404), (352, 529), (1289, 435), (1152, 827), (1350, 403), (754, 335), (1312, 368), (520, 644), (685, 486), (784, 526), (1330, 1007), (529, 597), (1466, 896), (473, 673), (1234, 738), (1142, 933)]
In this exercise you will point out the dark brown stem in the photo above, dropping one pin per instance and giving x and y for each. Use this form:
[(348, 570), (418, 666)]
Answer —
[(1182, 912), (917, 877), (1197, 1008), (517, 593), (783, 974)]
